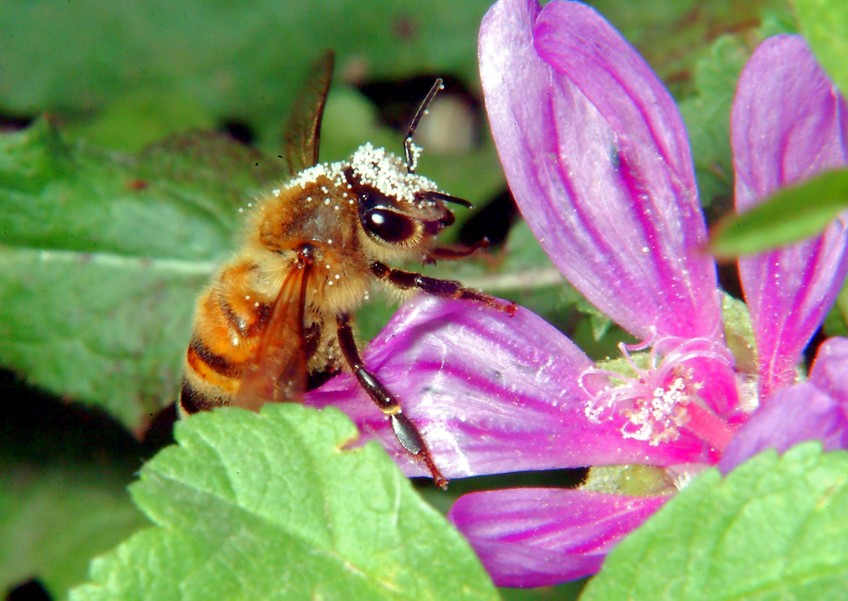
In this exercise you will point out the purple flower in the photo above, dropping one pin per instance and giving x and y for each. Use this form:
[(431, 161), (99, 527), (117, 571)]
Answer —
[(596, 154)]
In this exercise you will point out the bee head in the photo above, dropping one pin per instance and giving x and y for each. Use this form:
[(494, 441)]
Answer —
[(396, 207)]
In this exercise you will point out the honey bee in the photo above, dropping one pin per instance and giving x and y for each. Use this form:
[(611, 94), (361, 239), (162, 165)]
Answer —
[(278, 315)]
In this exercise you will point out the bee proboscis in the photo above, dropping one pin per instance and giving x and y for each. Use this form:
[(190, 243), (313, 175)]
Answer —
[(280, 311)]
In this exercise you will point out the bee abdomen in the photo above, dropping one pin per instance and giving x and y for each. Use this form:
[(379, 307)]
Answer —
[(228, 325), (200, 357)]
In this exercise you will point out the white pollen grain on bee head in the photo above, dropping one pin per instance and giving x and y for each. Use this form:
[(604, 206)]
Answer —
[(329, 241), (386, 172)]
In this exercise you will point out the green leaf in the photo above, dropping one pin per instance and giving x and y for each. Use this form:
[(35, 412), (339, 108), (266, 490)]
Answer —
[(55, 518), (137, 120), (564, 592), (102, 256), (739, 333), (824, 24), (774, 528), (707, 116), (273, 506), (836, 322), (791, 214)]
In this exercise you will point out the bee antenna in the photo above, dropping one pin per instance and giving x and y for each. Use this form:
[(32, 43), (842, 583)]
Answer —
[(433, 195), (411, 151)]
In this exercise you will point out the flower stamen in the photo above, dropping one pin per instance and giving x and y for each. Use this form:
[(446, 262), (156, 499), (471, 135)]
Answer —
[(658, 401)]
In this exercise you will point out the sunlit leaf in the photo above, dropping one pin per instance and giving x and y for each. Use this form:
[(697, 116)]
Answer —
[(272, 506), (775, 528), (102, 255), (791, 214)]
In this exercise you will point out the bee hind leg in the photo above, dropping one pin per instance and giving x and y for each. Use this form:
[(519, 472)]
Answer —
[(405, 431)]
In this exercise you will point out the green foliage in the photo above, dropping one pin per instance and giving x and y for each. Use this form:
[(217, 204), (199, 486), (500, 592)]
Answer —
[(55, 518), (739, 333), (836, 323), (274, 506), (234, 61), (102, 256), (789, 215), (707, 116), (774, 528), (824, 24)]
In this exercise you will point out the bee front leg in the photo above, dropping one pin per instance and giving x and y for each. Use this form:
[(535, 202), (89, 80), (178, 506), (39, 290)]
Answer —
[(404, 429), (406, 280), (454, 251)]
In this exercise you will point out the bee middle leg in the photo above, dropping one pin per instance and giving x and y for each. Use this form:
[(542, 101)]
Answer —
[(406, 280), (404, 429)]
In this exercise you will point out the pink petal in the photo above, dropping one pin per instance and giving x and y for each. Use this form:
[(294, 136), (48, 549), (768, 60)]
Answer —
[(788, 124), (792, 415), (491, 394), (812, 410), (595, 152), (540, 537), (830, 371)]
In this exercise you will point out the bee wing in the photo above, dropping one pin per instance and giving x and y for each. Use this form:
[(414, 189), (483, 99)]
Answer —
[(277, 372), (303, 130)]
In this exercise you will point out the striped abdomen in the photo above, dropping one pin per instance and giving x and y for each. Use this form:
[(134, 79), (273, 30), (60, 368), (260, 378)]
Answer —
[(228, 325)]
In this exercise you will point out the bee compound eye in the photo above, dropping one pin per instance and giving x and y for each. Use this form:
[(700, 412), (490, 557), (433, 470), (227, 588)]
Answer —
[(388, 226)]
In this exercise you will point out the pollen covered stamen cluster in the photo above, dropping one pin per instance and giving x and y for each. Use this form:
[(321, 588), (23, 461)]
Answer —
[(656, 401), (658, 418)]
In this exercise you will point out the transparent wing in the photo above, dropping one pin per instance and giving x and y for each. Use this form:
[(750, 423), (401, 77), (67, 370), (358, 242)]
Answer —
[(277, 372), (303, 130)]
